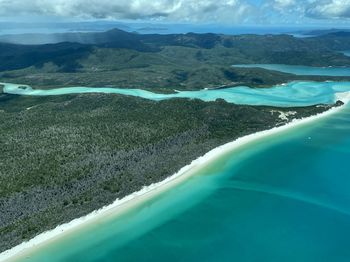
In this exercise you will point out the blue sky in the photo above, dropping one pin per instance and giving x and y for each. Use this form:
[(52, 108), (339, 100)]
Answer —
[(230, 12)]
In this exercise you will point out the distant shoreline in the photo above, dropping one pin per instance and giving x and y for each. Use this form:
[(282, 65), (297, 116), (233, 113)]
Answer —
[(126, 203)]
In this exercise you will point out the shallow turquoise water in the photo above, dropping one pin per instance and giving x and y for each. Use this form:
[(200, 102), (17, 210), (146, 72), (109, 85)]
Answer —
[(282, 198), (292, 94), (347, 52), (302, 70)]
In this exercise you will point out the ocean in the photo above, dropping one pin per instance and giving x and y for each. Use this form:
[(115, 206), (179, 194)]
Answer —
[(284, 197)]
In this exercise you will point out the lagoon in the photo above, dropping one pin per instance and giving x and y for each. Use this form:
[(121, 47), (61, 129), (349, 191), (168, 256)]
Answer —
[(298, 93)]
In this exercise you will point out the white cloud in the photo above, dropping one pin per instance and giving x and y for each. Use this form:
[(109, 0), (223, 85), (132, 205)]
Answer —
[(285, 11), (329, 9), (211, 11), (172, 10), (317, 9), (281, 4)]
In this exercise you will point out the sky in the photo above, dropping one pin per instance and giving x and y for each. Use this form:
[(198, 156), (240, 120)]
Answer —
[(229, 12)]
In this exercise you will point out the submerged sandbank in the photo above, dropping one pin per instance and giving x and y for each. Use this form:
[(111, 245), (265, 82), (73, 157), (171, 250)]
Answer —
[(132, 200), (297, 93)]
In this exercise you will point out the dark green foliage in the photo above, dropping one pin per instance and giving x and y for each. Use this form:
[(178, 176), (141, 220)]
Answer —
[(18, 56), (62, 157), (230, 74), (179, 61)]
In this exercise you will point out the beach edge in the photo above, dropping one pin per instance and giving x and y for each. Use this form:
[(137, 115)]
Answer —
[(154, 189)]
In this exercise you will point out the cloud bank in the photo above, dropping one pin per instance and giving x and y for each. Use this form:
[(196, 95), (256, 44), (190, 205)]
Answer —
[(317, 9), (335, 9), (227, 11), (179, 10)]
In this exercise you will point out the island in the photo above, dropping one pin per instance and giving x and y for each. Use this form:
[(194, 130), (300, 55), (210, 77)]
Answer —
[(64, 156)]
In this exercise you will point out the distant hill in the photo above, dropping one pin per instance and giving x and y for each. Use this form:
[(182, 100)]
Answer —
[(113, 38), (117, 38), (321, 32), (181, 61), (339, 34), (337, 41), (63, 55)]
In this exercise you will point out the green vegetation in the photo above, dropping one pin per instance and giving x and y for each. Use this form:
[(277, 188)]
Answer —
[(62, 157), (167, 62)]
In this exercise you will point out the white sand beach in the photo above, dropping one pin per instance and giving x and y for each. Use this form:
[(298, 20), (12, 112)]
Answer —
[(121, 205)]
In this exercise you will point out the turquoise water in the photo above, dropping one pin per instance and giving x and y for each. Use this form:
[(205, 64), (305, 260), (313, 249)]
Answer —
[(281, 198), (302, 70), (347, 52), (292, 94)]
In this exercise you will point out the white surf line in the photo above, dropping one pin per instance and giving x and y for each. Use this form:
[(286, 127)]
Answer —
[(118, 205)]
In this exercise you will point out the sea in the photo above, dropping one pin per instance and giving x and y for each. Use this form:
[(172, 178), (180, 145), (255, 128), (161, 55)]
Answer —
[(283, 197)]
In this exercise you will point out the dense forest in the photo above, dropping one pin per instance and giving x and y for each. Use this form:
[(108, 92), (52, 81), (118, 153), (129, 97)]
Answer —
[(179, 61), (62, 157)]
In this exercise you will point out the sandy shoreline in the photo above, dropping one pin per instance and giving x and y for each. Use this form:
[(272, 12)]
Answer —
[(129, 201)]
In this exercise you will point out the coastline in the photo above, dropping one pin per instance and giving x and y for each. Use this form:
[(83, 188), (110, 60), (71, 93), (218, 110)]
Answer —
[(131, 200)]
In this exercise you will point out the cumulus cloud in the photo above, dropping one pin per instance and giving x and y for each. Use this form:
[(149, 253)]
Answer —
[(285, 11), (317, 9), (173, 10), (227, 11), (329, 9), (281, 4)]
